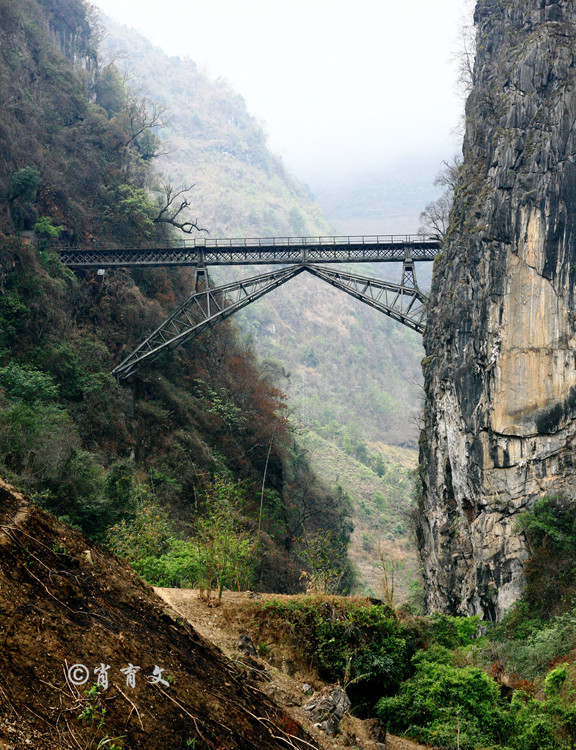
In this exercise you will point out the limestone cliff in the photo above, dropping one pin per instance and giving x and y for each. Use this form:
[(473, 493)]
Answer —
[(70, 24), (500, 373)]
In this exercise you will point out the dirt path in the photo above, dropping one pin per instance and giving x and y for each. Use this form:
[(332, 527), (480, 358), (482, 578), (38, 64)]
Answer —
[(223, 625)]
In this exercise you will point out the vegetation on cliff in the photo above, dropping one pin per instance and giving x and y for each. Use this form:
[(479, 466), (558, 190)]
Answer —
[(204, 434)]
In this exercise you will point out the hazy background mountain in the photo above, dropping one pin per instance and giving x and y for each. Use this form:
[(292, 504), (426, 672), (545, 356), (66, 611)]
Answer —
[(353, 376), (380, 200)]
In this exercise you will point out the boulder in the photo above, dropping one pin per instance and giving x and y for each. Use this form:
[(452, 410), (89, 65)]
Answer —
[(327, 708)]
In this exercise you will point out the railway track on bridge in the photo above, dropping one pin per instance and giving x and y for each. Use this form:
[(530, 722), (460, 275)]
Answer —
[(404, 302), (204, 251)]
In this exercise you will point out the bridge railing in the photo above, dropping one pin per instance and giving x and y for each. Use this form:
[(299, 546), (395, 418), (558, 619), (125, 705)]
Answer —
[(268, 242)]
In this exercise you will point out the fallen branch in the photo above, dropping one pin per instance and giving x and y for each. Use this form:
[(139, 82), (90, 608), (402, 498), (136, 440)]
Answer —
[(134, 708)]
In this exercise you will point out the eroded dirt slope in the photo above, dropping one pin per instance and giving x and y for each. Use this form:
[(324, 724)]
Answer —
[(281, 669), (65, 601)]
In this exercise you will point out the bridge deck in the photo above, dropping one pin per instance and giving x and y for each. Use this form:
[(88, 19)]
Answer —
[(204, 251)]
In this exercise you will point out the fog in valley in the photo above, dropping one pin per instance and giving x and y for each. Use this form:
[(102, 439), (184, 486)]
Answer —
[(361, 100)]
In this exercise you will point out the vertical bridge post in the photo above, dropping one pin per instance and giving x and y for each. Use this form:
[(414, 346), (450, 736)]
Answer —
[(409, 271), (200, 280)]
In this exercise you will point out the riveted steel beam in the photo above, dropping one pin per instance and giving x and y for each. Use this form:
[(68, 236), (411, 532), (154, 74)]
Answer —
[(204, 308), (403, 302)]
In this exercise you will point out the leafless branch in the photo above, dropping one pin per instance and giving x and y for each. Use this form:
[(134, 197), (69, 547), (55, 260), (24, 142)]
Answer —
[(175, 202), (142, 115)]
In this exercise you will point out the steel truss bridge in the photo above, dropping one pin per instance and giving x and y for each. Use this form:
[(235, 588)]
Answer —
[(206, 306)]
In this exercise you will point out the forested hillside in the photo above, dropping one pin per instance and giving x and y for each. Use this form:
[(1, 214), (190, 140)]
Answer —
[(339, 353), (197, 452), (211, 141), (351, 375)]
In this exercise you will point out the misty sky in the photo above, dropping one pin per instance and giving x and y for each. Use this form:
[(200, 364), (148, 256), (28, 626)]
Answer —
[(338, 84)]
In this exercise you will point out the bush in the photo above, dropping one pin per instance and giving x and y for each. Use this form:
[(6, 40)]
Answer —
[(219, 555), (534, 727), (226, 553), (35, 440), (531, 656), (25, 184), (452, 632), (550, 529), (27, 384), (46, 230), (76, 494), (360, 645), (181, 566), (441, 700), (148, 534)]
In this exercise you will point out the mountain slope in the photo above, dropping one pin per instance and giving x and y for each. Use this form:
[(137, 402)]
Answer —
[(67, 606), (331, 344), (200, 436), (241, 188)]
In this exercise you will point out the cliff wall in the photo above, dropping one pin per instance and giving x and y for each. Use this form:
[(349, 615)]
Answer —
[(71, 28), (500, 373)]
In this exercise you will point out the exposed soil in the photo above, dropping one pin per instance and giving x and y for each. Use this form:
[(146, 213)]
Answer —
[(283, 672), (65, 601)]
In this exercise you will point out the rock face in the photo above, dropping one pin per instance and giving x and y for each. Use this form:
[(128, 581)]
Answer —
[(501, 338), (327, 709), (69, 23)]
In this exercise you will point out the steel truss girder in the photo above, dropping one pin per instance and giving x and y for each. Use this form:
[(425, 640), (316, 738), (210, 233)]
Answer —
[(273, 250), (202, 310), (403, 302)]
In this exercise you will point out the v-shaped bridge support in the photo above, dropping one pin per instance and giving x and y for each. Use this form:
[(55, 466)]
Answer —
[(201, 310), (403, 302)]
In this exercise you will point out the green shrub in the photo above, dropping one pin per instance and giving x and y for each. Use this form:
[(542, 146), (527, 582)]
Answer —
[(533, 724), (35, 440), (550, 529), (77, 493), (347, 641), (452, 632), (27, 384), (46, 230), (148, 534), (438, 699), (531, 656), (25, 184), (180, 567), (226, 552)]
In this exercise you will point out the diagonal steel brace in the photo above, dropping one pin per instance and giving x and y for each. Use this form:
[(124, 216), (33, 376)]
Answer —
[(201, 310)]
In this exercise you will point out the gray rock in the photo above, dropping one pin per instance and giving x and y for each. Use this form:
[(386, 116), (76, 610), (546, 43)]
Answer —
[(500, 381), (245, 645), (327, 709), (377, 731)]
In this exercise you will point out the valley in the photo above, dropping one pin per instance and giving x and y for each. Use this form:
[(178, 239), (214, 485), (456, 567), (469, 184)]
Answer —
[(309, 526)]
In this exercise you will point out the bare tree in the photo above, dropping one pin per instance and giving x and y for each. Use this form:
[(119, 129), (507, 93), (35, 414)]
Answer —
[(465, 57), (390, 565), (435, 218), (142, 115), (175, 202)]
